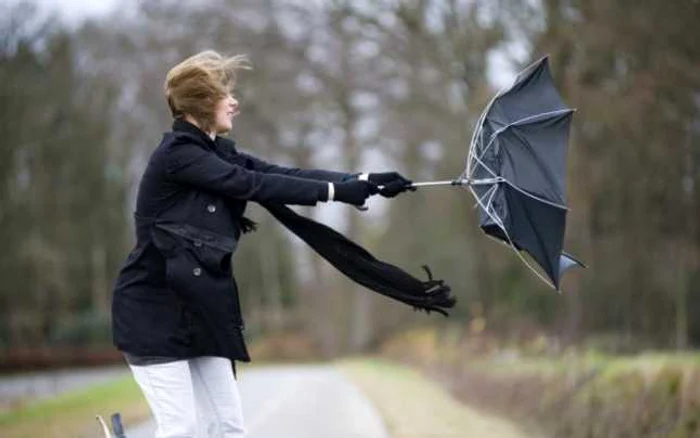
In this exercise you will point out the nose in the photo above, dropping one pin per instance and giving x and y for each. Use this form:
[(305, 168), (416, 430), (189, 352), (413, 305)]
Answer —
[(233, 103)]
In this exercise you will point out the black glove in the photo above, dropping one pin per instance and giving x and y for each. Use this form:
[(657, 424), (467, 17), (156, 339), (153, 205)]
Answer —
[(354, 192), (393, 182)]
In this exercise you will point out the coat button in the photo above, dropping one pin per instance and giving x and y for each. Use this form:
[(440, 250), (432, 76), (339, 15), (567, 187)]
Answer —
[(197, 272), (211, 208), (197, 243)]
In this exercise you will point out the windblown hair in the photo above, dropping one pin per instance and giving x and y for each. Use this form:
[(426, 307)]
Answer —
[(197, 84)]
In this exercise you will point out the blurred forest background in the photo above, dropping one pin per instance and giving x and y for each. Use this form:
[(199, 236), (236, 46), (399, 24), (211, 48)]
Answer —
[(371, 86)]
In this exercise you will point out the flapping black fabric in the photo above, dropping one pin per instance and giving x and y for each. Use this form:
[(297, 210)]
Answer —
[(532, 93), (537, 228), (362, 267), (533, 156)]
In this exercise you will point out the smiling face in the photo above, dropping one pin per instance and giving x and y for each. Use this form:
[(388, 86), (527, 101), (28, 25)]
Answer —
[(225, 111)]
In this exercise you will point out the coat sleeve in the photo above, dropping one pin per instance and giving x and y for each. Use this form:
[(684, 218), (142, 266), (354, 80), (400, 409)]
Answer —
[(315, 174), (191, 164)]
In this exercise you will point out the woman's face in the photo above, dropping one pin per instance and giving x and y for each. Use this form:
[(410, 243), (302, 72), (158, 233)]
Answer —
[(226, 110)]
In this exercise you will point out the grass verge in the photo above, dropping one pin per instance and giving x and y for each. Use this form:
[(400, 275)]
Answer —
[(72, 415), (574, 393), (413, 407)]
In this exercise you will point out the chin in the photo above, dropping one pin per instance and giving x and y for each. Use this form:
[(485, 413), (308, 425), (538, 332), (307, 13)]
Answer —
[(223, 129)]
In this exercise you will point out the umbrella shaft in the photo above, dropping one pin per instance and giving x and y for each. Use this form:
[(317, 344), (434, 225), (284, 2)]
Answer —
[(455, 182), (459, 182)]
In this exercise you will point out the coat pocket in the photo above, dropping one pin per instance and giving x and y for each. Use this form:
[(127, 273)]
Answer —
[(193, 251)]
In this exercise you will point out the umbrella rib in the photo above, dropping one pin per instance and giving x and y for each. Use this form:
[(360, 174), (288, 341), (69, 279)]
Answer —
[(491, 215), (493, 195), (536, 198), (487, 193), (469, 177), (548, 113), (479, 130)]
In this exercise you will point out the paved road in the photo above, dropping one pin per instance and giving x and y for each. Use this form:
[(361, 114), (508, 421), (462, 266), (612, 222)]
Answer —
[(310, 401)]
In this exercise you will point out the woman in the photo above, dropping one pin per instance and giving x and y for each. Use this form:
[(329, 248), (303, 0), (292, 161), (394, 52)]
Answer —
[(175, 309)]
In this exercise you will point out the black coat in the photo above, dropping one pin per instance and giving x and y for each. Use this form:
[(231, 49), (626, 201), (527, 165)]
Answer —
[(176, 295)]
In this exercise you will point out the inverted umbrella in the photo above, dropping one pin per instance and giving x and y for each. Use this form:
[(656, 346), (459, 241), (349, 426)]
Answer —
[(516, 170)]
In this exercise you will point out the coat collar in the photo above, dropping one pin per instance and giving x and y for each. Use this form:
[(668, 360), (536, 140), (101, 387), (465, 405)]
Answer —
[(219, 142), (182, 125)]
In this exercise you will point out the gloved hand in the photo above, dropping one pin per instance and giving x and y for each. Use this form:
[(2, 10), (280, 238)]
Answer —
[(393, 183), (354, 192)]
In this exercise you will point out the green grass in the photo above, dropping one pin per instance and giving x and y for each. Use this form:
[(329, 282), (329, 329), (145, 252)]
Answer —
[(72, 415)]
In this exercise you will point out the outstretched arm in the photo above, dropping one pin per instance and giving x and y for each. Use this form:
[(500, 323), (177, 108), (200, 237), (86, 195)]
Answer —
[(315, 174), (392, 183), (189, 163)]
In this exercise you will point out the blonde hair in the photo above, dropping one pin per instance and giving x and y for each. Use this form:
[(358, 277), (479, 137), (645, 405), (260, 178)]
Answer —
[(196, 85)]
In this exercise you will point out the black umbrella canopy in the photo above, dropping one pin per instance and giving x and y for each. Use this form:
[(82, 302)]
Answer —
[(517, 169)]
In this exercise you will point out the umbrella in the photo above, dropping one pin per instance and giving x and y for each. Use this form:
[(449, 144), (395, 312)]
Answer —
[(516, 170)]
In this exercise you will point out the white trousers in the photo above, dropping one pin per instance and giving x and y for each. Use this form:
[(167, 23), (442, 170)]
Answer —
[(192, 398)]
